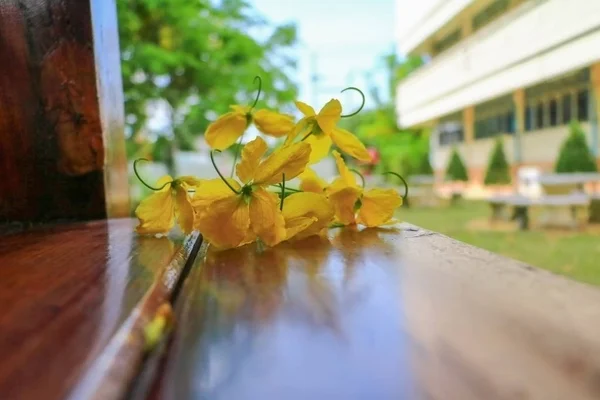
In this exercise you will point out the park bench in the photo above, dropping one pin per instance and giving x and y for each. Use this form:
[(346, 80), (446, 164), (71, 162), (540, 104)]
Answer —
[(562, 203), (394, 313)]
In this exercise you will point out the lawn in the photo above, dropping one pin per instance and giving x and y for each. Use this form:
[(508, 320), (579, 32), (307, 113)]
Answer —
[(574, 254)]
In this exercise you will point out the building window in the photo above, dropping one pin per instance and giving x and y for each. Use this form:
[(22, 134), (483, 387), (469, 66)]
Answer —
[(490, 13), (566, 108), (528, 118), (582, 105), (447, 41), (509, 119), (450, 133), (553, 110), (539, 116)]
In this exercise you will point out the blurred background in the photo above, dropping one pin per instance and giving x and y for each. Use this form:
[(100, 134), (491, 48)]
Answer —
[(487, 107)]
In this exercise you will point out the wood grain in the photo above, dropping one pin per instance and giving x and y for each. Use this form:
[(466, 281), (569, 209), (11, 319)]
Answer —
[(61, 112), (401, 313), (70, 295)]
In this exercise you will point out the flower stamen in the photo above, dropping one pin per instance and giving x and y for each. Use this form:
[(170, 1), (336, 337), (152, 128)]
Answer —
[(135, 171), (361, 106), (212, 159), (403, 181)]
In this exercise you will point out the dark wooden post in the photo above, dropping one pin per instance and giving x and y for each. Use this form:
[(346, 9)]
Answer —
[(62, 149)]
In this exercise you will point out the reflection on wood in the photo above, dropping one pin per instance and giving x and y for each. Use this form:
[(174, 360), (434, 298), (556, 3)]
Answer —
[(383, 314), (66, 290)]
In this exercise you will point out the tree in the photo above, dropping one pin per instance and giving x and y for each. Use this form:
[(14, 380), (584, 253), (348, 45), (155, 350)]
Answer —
[(196, 58), (456, 170), (575, 155), (498, 170)]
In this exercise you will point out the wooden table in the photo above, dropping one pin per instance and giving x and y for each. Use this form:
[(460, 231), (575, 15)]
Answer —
[(399, 313)]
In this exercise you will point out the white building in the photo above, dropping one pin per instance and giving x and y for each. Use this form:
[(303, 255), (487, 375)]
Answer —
[(517, 68)]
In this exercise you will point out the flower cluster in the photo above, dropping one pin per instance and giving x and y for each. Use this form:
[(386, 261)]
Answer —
[(258, 205)]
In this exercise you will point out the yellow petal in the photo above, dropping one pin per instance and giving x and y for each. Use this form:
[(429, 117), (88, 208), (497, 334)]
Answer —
[(349, 144), (305, 109), (190, 181), (320, 145), (329, 115), (240, 109), (156, 212), (273, 123), (301, 129), (307, 204), (251, 156), (343, 202), (289, 160), (265, 218), (226, 222), (184, 213), (226, 130), (311, 182), (345, 174), (378, 206), (295, 226), (211, 190)]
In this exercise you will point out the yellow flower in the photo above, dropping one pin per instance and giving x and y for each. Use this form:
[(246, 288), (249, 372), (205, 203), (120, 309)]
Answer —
[(158, 212), (249, 211), (311, 182), (306, 214), (320, 130), (227, 129), (352, 204)]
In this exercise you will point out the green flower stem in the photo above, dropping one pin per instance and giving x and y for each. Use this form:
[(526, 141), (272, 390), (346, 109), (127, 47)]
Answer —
[(135, 171), (282, 193), (237, 154)]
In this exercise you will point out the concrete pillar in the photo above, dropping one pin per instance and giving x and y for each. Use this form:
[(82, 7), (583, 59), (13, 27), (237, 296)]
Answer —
[(469, 124), (594, 108), (519, 106)]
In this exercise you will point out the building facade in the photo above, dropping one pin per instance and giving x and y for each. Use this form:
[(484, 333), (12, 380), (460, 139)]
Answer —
[(516, 69)]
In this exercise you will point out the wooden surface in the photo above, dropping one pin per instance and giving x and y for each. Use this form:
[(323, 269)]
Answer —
[(380, 314), (61, 112), (74, 299)]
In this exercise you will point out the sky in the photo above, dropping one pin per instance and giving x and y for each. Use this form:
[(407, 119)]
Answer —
[(340, 39)]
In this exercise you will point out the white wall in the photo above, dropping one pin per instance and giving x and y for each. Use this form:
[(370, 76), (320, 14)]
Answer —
[(418, 20), (524, 47)]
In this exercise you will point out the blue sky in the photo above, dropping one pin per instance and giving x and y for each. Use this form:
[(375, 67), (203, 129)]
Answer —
[(343, 38)]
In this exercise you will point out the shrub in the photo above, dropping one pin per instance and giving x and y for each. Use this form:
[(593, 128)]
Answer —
[(456, 170), (575, 155), (498, 171)]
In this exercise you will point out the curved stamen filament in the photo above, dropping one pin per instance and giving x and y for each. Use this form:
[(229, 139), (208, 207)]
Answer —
[(362, 95), (403, 181), (259, 91), (212, 159), (362, 178), (135, 171)]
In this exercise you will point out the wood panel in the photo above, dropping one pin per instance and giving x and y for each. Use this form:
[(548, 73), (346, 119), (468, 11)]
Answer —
[(75, 299), (61, 112), (401, 313)]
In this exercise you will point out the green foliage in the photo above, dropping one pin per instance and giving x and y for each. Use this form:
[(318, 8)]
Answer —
[(498, 170), (456, 170), (575, 155), (197, 58)]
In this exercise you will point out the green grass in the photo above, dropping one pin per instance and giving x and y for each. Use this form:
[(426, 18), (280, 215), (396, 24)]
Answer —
[(574, 254)]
